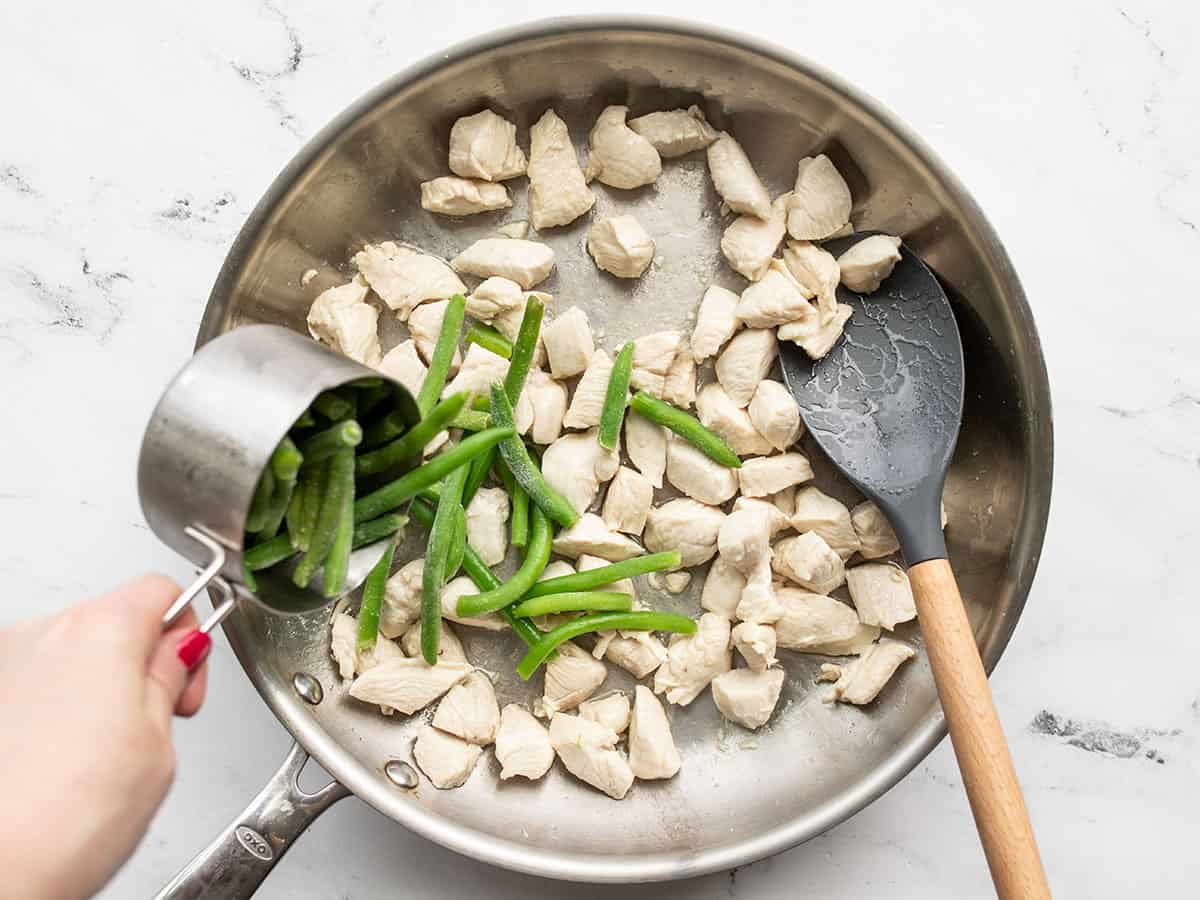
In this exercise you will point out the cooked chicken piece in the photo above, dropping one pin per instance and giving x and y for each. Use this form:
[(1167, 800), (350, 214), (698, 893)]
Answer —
[(646, 444), (716, 321), (816, 339), (810, 562), (619, 156), (425, 324), (759, 602), (447, 761), (575, 465), (522, 745), (485, 146), (749, 242), (756, 643), (875, 535), (587, 749), (450, 648), (677, 582), (571, 677), (561, 567), (407, 685), (718, 413), (652, 750), (518, 230), (638, 654), (611, 711), (463, 586), (746, 696), (865, 265), (478, 372), (811, 622), (735, 179), (697, 475), (776, 299), (487, 524), (723, 586), (403, 364), (820, 513), (776, 519), (745, 362), (679, 387), (784, 501), (829, 672), (453, 196), (627, 501), (470, 711), (381, 651), (343, 644), (684, 525), (820, 200), (775, 415), (404, 278), (623, 586), (401, 599), (882, 594), (548, 399), (590, 535), (693, 660), (493, 297), (675, 132), (588, 400), (862, 641), (341, 318), (818, 273), (620, 246), (653, 355), (525, 262), (771, 474), (569, 344), (745, 537), (558, 192), (862, 679)]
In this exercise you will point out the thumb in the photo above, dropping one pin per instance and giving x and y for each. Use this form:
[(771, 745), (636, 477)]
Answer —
[(178, 653)]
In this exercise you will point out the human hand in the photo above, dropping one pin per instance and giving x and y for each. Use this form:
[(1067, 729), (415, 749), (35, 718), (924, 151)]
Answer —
[(85, 745)]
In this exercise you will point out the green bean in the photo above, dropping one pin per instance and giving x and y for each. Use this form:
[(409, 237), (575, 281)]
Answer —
[(338, 482), (408, 485), (333, 406), (536, 557), (295, 515), (251, 581), (372, 598), (471, 420), (458, 543), (370, 398), (410, 445), (286, 460), (482, 403), (518, 522), (346, 434), (437, 552), (443, 355), (686, 426), (260, 505), (605, 621), (480, 466), (306, 420), (265, 554), (337, 563), (616, 397), (525, 471), (489, 339), (606, 575), (377, 529), (277, 506), (523, 349), (574, 601), (386, 428), (313, 479)]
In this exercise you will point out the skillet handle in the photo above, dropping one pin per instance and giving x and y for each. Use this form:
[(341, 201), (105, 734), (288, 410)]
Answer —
[(987, 770), (240, 857)]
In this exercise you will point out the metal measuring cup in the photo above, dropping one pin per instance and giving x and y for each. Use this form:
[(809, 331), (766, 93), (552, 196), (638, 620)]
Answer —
[(208, 440)]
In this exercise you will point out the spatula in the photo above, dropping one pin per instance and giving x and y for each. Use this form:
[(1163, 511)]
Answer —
[(885, 404)]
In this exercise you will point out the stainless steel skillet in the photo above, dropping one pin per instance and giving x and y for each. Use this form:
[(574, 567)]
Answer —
[(739, 797)]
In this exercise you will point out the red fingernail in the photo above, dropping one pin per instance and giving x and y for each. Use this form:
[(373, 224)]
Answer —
[(193, 649)]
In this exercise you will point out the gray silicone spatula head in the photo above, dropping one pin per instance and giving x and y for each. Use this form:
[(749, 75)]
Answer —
[(885, 404)]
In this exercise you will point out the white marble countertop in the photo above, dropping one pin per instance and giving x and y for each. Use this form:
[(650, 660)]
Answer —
[(138, 137)]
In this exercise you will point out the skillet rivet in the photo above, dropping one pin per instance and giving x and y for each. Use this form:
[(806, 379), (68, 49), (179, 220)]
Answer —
[(308, 688), (401, 773)]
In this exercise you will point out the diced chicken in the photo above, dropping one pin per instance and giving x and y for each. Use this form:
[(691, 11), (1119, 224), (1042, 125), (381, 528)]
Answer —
[(759, 602), (882, 594), (735, 179), (401, 599), (677, 582), (862, 679), (745, 362), (435, 444), (697, 475), (684, 525), (776, 519), (343, 644), (450, 648), (732, 424), (569, 344), (820, 513), (518, 230), (875, 535), (561, 567), (652, 358), (485, 146), (487, 524), (775, 415), (748, 697), (675, 132), (771, 474), (679, 386), (447, 761), (646, 444), (619, 156), (575, 465), (716, 321), (745, 538), (341, 318), (588, 400), (652, 750), (723, 586), (749, 242), (627, 502), (591, 536), (865, 265), (463, 586), (558, 191), (693, 660), (814, 338), (403, 364), (638, 654), (479, 371), (620, 246), (829, 672), (522, 745), (812, 622), (818, 273), (611, 711), (525, 262), (453, 196), (588, 750), (493, 297), (810, 562), (860, 643), (776, 299), (571, 677), (470, 711), (425, 324), (404, 278), (820, 200), (756, 643), (784, 501), (407, 685), (548, 399)]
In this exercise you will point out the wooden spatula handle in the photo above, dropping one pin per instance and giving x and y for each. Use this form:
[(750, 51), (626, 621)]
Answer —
[(983, 758)]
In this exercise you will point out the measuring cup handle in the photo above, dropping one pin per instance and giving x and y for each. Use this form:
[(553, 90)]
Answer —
[(240, 857)]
